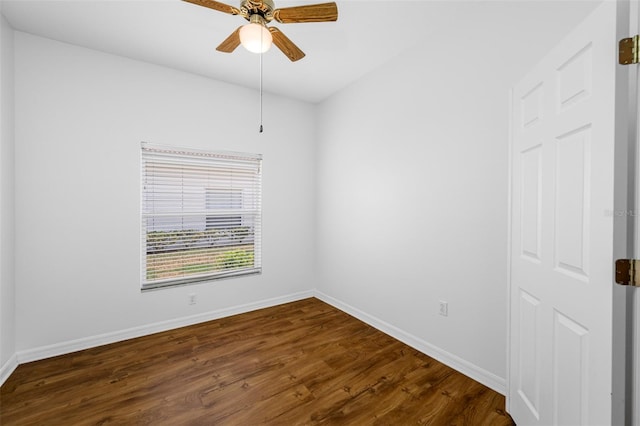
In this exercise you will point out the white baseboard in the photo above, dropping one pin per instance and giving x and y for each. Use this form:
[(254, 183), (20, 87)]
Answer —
[(481, 375), (7, 368), (486, 378), (117, 336)]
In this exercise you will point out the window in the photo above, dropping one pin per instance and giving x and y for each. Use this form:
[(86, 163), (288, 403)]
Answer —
[(201, 215)]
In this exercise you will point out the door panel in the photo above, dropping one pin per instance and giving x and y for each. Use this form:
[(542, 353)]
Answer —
[(529, 368), (573, 160), (574, 79), (570, 378), (531, 203), (561, 237)]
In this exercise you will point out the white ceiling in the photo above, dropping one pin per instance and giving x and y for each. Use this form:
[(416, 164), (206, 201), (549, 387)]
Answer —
[(367, 34)]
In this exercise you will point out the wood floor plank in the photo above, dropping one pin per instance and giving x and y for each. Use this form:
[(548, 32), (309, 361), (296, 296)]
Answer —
[(301, 363)]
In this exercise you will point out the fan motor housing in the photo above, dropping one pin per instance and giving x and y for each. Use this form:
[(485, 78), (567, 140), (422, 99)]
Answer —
[(263, 8)]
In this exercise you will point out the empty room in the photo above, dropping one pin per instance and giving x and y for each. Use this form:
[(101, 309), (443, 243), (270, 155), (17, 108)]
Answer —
[(290, 212)]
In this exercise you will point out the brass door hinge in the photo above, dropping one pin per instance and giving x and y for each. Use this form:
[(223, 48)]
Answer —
[(628, 272), (628, 50)]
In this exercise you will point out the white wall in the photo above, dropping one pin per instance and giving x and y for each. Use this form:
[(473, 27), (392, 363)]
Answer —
[(413, 202), (7, 283), (80, 118), (412, 187)]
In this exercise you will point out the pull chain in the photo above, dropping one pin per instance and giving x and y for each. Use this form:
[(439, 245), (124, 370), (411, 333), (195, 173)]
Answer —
[(261, 44)]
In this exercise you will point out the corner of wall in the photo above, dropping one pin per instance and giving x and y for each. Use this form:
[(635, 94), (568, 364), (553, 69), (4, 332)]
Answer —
[(8, 368), (8, 360)]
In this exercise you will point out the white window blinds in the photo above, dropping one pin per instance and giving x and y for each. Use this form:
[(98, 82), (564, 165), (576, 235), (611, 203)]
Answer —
[(201, 215)]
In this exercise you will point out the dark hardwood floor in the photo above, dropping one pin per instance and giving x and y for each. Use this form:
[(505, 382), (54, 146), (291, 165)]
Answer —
[(301, 363)]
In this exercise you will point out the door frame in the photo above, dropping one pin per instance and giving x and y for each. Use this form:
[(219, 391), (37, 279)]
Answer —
[(626, 359), (634, 219), (623, 407), (626, 349)]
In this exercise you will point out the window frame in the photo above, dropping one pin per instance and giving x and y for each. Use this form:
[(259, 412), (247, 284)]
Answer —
[(219, 163)]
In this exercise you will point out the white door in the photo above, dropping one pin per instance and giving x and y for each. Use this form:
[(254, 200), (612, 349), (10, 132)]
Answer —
[(560, 354)]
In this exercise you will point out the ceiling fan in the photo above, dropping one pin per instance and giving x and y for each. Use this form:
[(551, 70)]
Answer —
[(256, 36)]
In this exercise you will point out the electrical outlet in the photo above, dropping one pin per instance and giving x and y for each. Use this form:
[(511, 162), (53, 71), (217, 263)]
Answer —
[(444, 308), (192, 298)]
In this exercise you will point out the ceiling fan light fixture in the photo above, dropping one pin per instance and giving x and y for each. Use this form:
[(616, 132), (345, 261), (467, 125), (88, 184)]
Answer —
[(255, 36)]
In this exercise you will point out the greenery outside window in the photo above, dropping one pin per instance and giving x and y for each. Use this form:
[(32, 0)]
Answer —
[(201, 215)]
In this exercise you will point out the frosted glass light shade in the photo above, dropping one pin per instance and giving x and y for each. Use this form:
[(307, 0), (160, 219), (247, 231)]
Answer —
[(255, 38)]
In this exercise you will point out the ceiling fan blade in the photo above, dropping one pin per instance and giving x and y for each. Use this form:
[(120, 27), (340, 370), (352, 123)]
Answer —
[(323, 12), (231, 42), (216, 5), (287, 47)]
